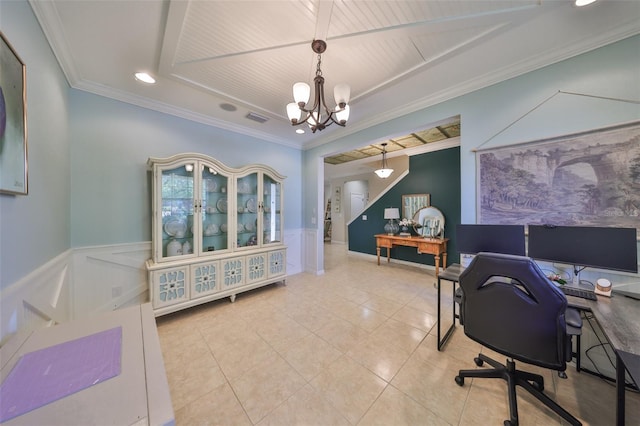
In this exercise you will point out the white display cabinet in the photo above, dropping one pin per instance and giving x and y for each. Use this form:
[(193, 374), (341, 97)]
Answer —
[(216, 230)]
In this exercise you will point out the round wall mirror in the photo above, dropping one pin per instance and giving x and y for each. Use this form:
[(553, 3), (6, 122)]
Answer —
[(429, 222)]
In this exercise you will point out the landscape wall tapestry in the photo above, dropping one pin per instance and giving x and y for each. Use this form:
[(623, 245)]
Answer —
[(584, 179)]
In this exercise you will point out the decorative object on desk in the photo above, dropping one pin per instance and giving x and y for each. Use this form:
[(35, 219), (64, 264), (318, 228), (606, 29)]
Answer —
[(384, 171), (405, 227), (391, 213), (429, 222), (411, 203), (557, 278), (603, 287)]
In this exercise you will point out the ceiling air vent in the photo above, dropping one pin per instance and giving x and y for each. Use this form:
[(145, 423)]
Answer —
[(256, 117)]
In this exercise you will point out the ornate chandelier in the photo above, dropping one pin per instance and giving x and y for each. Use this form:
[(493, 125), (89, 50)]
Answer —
[(319, 115)]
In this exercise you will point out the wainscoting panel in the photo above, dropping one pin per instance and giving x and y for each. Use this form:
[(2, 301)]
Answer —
[(109, 277), (293, 241), (312, 251), (39, 299)]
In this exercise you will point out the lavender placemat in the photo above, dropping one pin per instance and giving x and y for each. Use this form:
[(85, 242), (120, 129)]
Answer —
[(46, 375)]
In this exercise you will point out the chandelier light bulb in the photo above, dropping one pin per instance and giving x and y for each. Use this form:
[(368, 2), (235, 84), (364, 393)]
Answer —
[(301, 93), (293, 112), (341, 94), (342, 115)]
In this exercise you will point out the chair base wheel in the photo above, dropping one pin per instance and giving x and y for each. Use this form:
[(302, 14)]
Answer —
[(479, 362), (459, 381)]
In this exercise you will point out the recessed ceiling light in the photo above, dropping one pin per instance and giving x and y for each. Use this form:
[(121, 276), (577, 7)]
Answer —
[(580, 3), (299, 131), (228, 107), (145, 77)]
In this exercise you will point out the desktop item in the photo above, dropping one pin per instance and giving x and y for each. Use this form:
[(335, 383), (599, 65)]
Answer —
[(582, 293), (506, 239), (498, 314), (585, 246), (603, 287)]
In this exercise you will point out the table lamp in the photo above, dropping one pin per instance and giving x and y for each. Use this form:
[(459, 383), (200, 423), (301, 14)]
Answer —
[(391, 213)]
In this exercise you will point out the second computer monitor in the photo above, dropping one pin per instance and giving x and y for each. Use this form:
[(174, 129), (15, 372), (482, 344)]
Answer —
[(506, 239)]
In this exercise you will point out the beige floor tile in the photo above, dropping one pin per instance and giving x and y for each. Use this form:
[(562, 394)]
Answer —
[(349, 387), (399, 334), (379, 357), (363, 317), (341, 333), (242, 354), (280, 331), (192, 377), (306, 407), (434, 388), (220, 407), (384, 306), (311, 316), (415, 318), (310, 356), (395, 408), (267, 385)]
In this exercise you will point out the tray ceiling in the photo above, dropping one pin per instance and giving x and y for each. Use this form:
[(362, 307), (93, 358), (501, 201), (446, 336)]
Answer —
[(232, 64)]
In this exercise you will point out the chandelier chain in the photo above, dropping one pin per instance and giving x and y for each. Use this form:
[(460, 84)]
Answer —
[(318, 70)]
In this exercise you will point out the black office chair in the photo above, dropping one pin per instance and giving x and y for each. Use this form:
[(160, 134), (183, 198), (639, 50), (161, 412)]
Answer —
[(510, 306)]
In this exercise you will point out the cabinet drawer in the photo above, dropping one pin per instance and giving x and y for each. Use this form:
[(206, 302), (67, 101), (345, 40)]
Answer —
[(205, 279), (256, 267), (169, 286), (232, 272), (277, 263)]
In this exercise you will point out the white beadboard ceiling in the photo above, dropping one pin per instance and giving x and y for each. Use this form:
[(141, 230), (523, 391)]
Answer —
[(397, 56)]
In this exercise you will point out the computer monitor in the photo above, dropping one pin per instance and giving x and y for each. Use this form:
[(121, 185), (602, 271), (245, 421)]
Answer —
[(585, 246), (506, 239)]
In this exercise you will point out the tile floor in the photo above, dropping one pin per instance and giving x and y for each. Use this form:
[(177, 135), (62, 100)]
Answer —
[(355, 346)]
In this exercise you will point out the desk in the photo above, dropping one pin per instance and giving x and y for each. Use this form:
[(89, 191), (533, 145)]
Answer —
[(434, 246), (618, 318), (139, 395), (452, 273)]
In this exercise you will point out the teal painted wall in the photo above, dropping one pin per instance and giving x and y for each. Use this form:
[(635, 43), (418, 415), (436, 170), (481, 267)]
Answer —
[(435, 173)]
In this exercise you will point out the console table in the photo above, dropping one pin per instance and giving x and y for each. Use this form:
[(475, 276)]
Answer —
[(434, 246)]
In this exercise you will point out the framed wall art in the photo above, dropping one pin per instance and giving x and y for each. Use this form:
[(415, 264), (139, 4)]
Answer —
[(590, 178), (13, 121), (411, 203)]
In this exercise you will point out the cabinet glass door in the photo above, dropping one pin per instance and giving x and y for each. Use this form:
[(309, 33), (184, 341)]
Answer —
[(177, 206), (247, 210), (271, 211), (214, 215)]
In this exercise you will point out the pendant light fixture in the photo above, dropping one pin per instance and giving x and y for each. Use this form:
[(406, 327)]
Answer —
[(384, 171), (319, 115)]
